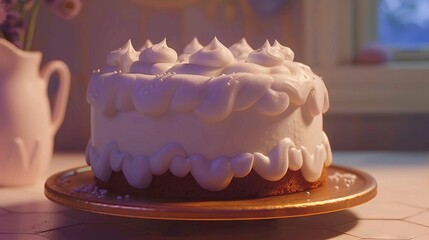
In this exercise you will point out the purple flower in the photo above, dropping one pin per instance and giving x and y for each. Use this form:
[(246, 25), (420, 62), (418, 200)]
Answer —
[(2, 11), (26, 3), (18, 17), (13, 28), (10, 2), (66, 9)]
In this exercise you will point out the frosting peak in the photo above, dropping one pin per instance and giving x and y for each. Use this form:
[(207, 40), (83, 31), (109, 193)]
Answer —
[(158, 53), (241, 49), (123, 57), (267, 56), (287, 52), (190, 49), (267, 82), (147, 44), (215, 54), (193, 46)]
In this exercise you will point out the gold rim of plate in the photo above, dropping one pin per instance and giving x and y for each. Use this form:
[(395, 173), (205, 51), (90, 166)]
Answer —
[(338, 193)]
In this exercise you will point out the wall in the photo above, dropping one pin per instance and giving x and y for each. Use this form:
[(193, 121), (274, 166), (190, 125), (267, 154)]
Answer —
[(106, 25), (372, 107)]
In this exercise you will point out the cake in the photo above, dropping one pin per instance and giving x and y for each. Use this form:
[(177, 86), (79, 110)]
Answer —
[(210, 123)]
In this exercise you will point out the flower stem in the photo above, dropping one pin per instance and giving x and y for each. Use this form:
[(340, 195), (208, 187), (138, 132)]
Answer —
[(29, 34)]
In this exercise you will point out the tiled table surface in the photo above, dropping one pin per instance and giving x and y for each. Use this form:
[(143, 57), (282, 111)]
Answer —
[(400, 210)]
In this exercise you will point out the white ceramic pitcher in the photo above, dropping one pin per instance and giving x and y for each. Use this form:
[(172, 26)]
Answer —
[(27, 126)]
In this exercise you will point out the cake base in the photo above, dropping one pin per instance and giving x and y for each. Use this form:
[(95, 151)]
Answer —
[(186, 188)]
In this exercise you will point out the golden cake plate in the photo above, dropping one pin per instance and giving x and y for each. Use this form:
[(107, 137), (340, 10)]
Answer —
[(345, 188)]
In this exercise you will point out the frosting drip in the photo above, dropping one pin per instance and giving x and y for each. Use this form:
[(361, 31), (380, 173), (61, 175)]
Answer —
[(210, 98), (212, 175)]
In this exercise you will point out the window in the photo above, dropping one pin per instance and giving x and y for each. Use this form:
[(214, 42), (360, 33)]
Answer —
[(403, 27), (334, 31), (403, 24), (400, 26)]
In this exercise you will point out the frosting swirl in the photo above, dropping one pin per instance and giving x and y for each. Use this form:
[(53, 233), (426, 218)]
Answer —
[(266, 56), (287, 52), (190, 49), (147, 44), (215, 54), (155, 59), (158, 53), (123, 57), (241, 49)]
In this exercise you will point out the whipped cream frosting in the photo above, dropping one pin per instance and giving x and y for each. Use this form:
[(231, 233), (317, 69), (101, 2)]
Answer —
[(210, 82), (211, 85), (215, 174)]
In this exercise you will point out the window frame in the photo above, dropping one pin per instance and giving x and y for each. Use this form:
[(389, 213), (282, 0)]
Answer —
[(333, 30)]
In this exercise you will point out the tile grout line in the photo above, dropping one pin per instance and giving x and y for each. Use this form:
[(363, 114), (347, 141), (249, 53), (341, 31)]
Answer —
[(14, 212), (58, 228), (6, 210), (351, 220), (416, 223), (346, 233), (40, 236), (412, 205), (398, 220), (29, 234), (416, 214)]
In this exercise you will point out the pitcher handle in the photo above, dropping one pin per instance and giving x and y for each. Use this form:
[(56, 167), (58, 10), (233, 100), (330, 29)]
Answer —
[(60, 103)]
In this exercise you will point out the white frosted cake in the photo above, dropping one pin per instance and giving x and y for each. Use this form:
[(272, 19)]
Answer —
[(214, 122)]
